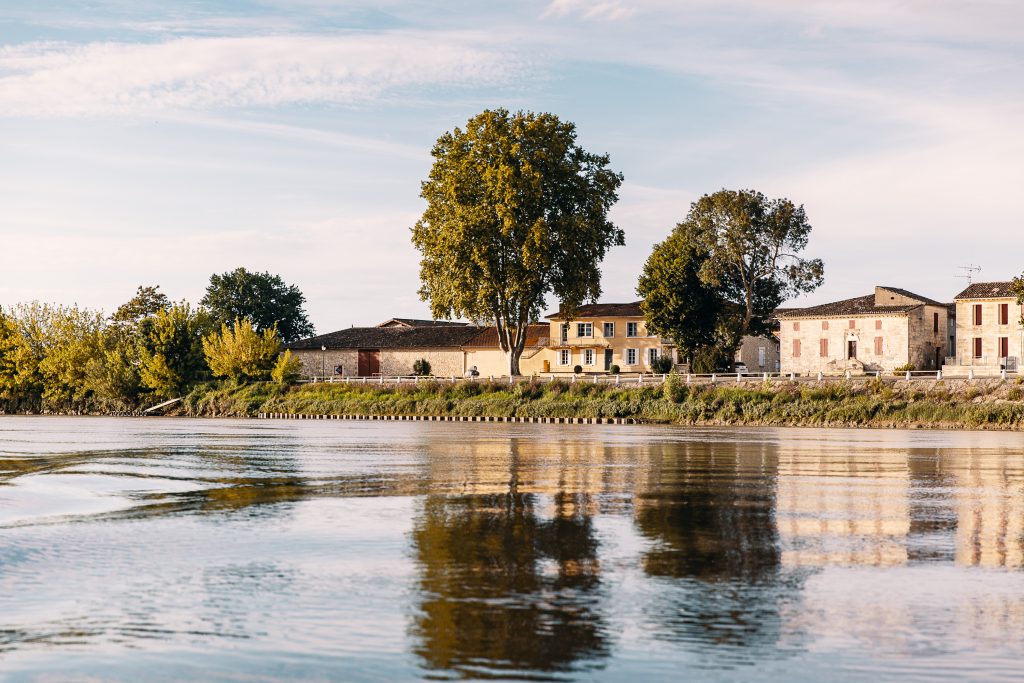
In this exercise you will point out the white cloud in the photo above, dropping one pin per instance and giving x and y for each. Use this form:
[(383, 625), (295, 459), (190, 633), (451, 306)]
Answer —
[(54, 79), (604, 10)]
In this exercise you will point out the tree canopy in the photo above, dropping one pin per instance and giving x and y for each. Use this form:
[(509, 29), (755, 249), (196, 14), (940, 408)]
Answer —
[(516, 210), (1017, 287), (146, 302), (725, 269), (240, 352), (263, 299)]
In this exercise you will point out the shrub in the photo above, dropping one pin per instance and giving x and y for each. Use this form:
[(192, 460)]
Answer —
[(614, 370), (903, 369), (577, 369), (662, 365), (421, 368), (675, 390), (1014, 394), (242, 353), (287, 368)]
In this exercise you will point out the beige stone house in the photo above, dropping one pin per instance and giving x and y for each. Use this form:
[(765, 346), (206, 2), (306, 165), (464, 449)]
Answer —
[(759, 354), (600, 336), (989, 334), (484, 353), (878, 332), (385, 350)]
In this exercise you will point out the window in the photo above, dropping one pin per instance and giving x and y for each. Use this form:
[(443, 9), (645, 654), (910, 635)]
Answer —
[(977, 314), (584, 329), (1004, 314), (565, 357), (588, 356), (632, 329), (609, 329), (652, 355), (878, 324), (760, 356), (977, 347), (796, 348), (796, 326), (630, 356), (565, 332), (1004, 347), (878, 346), (853, 324), (935, 323), (823, 348), (824, 324)]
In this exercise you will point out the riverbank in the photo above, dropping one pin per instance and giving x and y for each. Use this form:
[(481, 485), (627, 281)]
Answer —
[(953, 404)]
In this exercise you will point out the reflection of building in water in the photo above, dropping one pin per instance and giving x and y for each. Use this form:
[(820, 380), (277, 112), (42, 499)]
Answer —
[(989, 509), (837, 508), (509, 578)]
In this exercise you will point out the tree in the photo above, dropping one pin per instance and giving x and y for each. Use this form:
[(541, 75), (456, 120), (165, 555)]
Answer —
[(263, 299), (724, 270), (515, 210), (287, 368), (240, 352), (1017, 287), (171, 352), (677, 304), (146, 302)]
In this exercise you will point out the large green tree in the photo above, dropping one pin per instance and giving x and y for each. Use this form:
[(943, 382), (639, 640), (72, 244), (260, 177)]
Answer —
[(516, 210), (725, 269), (263, 299)]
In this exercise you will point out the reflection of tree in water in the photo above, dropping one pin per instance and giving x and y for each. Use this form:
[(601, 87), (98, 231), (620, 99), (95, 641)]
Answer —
[(711, 516), (505, 591)]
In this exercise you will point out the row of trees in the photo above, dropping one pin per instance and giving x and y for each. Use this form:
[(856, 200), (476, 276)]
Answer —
[(517, 211), (65, 358)]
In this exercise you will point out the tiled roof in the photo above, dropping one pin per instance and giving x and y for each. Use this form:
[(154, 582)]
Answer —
[(631, 310), (986, 290), (536, 336), (438, 336), (413, 322), (861, 305)]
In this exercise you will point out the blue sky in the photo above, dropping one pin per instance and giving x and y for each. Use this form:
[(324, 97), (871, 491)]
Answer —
[(157, 143)]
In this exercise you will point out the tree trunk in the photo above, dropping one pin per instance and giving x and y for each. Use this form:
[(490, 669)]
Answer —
[(513, 362)]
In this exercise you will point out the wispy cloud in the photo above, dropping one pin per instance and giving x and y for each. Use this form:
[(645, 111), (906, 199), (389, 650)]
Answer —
[(52, 79), (604, 10)]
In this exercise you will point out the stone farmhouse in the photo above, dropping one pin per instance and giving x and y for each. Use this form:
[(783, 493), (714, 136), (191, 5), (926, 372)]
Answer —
[(878, 332), (989, 334), (602, 335)]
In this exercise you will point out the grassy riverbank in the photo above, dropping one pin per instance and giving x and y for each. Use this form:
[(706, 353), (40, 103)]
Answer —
[(994, 404)]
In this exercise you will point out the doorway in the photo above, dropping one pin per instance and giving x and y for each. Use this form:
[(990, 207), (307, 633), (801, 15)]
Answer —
[(938, 357), (851, 349), (369, 362), (607, 360)]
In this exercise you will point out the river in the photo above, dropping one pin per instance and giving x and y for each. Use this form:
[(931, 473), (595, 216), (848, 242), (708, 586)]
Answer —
[(222, 550)]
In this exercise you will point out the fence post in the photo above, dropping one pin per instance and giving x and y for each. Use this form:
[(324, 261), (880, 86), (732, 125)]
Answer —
[(938, 375), (847, 374), (766, 377), (792, 377), (687, 378), (1003, 373), (738, 377), (595, 379), (640, 378), (908, 375), (617, 380), (819, 375), (712, 378), (970, 374)]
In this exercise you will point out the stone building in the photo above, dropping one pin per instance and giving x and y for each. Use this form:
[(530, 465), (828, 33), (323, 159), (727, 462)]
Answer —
[(387, 350), (989, 334), (759, 354), (879, 332), (484, 353), (600, 336)]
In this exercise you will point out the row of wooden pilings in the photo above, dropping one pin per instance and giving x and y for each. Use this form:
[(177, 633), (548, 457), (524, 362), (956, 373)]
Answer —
[(452, 418)]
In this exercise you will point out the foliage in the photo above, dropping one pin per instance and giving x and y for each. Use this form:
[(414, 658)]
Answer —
[(710, 359), (146, 302), (287, 368), (265, 300), (675, 390), (241, 353), (171, 350), (421, 367), (614, 370), (662, 365), (904, 369), (577, 369), (677, 303), (1017, 287), (725, 269), (515, 210)]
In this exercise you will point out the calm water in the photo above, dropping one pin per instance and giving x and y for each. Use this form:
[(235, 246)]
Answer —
[(171, 550)]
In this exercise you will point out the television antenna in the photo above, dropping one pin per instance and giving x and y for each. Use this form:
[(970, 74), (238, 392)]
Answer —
[(969, 270)]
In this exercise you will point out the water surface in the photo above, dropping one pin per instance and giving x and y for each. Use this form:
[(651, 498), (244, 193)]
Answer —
[(168, 550)]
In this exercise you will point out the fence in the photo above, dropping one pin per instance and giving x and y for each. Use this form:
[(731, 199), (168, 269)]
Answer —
[(627, 380)]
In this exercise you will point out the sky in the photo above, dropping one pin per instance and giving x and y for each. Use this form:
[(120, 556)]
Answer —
[(144, 142)]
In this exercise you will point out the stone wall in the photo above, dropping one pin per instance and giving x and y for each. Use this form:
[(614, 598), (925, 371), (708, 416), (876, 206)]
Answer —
[(894, 330), (753, 349), (925, 340), (990, 331)]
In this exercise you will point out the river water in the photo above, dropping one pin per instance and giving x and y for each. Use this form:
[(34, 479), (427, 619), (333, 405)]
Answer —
[(219, 550)]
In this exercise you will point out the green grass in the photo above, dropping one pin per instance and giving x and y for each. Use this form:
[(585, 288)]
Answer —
[(870, 404)]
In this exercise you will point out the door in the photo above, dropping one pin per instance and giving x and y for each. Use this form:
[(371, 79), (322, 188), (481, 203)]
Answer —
[(607, 360), (369, 362), (851, 349), (938, 357)]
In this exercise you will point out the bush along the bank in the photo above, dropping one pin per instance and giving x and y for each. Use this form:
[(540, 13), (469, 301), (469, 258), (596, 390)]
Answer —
[(893, 404)]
